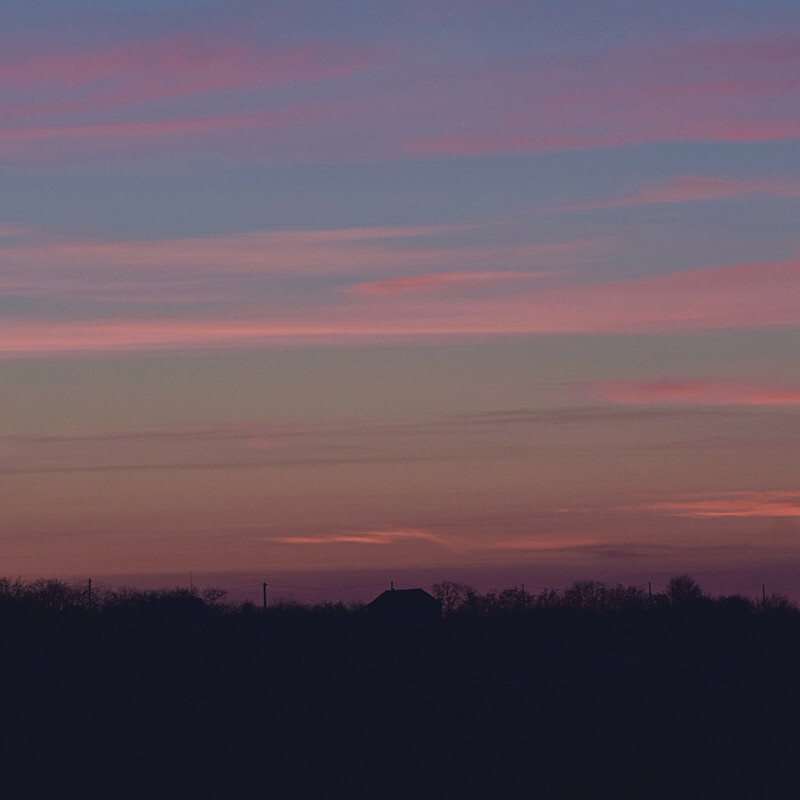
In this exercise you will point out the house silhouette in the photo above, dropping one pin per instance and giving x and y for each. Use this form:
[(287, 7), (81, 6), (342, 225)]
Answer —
[(405, 605)]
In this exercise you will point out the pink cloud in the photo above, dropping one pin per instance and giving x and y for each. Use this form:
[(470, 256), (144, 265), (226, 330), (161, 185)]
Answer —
[(710, 90), (695, 392), (151, 79), (279, 252), (734, 504), (741, 296), (691, 188), (719, 298), (446, 281), (735, 90), (185, 126), (42, 265), (178, 65)]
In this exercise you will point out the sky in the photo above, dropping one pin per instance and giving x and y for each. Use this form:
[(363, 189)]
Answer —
[(458, 288)]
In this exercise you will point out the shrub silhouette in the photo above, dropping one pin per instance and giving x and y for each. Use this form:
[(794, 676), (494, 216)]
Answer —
[(683, 590)]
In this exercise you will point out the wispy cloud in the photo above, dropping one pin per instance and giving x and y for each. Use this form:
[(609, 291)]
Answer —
[(144, 94), (151, 130), (707, 90), (368, 537), (449, 540), (550, 543), (694, 392), (445, 281), (213, 432), (44, 265), (242, 446), (627, 131), (717, 298), (345, 251), (339, 251), (569, 415), (159, 68), (733, 504), (141, 94), (694, 188)]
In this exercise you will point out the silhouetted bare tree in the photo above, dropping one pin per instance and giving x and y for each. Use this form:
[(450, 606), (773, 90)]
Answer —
[(683, 590), (453, 595)]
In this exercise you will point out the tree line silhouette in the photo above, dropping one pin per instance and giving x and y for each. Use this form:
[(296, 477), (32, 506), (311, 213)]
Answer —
[(593, 691), (45, 596), (681, 592)]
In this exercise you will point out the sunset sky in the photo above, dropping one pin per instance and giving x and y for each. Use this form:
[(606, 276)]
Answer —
[(452, 288)]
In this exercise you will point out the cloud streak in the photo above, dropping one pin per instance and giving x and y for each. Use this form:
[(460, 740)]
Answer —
[(344, 251), (450, 541), (694, 393), (446, 282), (627, 131), (718, 298), (697, 188), (151, 130), (368, 537), (725, 90), (145, 93), (734, 504), (201, 269), (168, 67), (142, 93)]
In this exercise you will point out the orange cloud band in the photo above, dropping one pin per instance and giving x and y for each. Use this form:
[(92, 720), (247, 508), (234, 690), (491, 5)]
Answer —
[(736, 504)]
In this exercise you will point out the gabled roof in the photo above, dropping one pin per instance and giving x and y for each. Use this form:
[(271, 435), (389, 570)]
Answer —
[(406, 601)]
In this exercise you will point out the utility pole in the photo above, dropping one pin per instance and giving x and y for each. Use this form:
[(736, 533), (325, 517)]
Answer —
[(264, 591), (763, 596), (90, 592), (649, 594)]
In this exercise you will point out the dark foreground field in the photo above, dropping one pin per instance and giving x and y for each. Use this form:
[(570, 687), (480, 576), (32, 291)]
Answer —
[(606, 696)]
